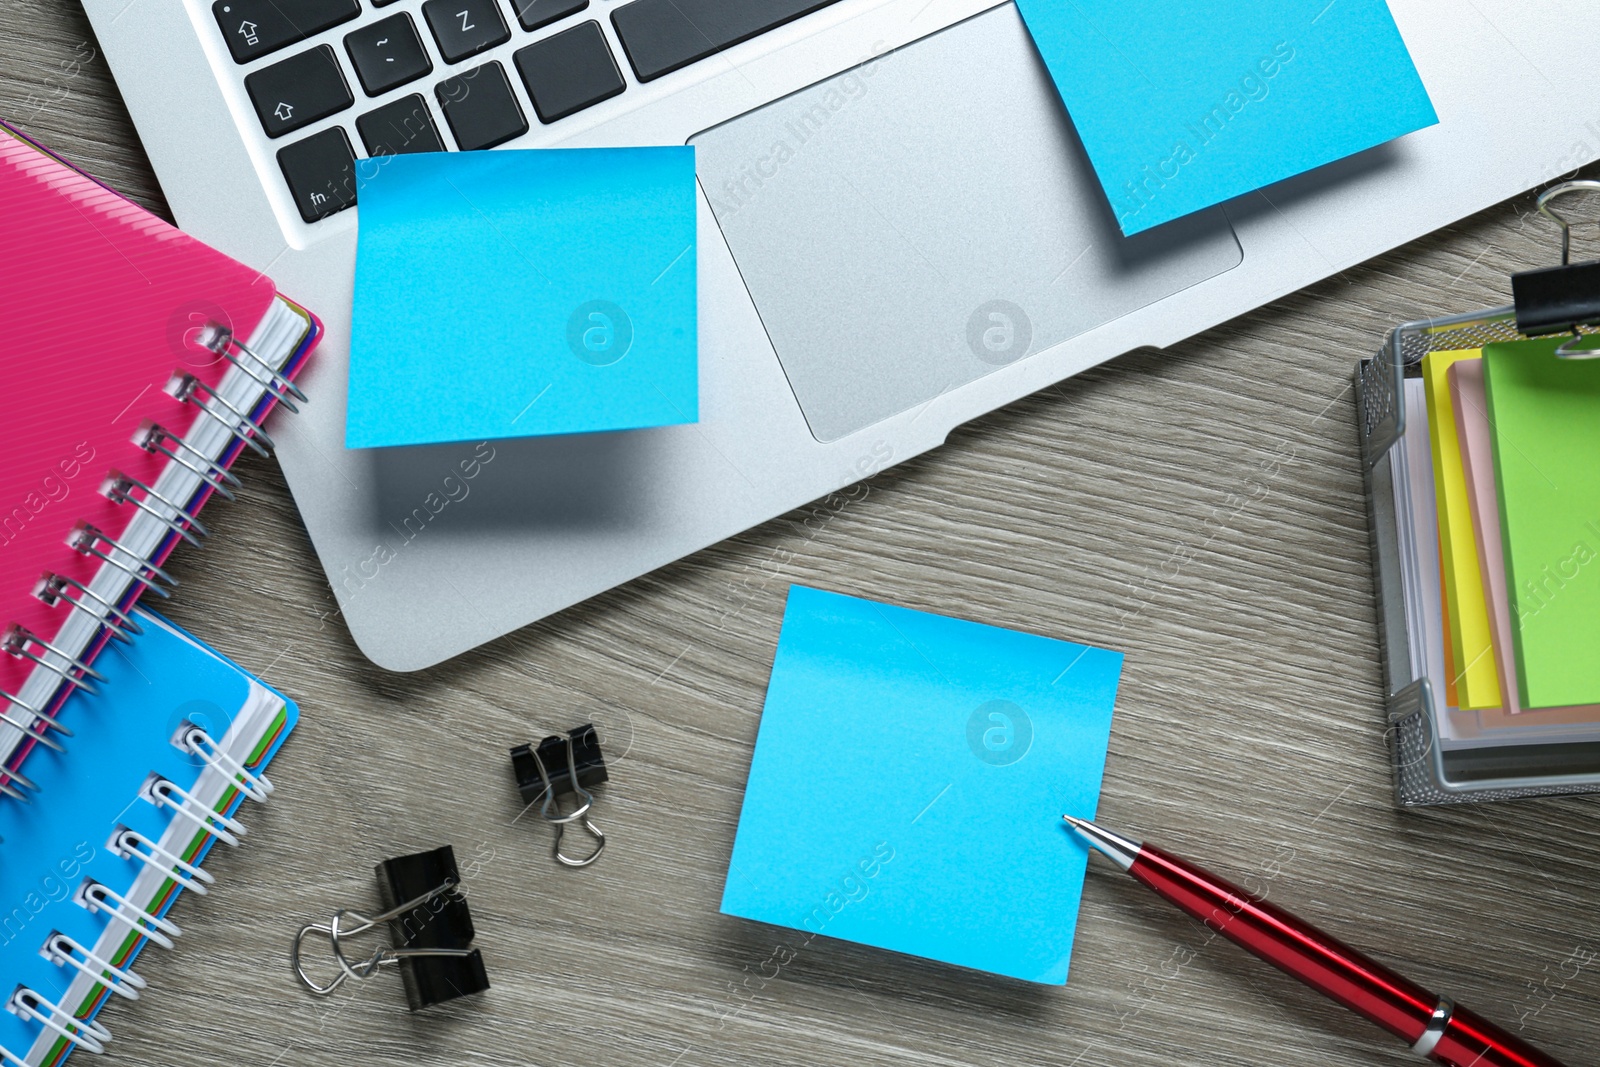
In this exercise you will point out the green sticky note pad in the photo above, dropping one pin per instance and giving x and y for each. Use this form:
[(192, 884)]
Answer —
[(1545, 415)]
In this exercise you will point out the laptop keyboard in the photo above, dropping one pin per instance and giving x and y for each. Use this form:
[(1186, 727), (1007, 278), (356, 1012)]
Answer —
[(567, 65)]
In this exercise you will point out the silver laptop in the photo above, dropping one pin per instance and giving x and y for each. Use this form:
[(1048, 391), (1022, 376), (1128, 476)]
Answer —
[(898, 232)]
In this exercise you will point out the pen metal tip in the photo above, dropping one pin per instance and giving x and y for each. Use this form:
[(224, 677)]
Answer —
[(1120, 850)]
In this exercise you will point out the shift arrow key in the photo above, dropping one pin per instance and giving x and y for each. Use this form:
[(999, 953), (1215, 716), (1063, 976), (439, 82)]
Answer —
[(298, 91), (252, 28)]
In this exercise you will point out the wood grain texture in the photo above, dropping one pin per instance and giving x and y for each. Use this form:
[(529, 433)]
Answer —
[(1198, 509)]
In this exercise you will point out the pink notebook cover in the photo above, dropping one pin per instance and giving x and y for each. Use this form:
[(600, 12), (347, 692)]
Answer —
[(101, 301), (1477, 457)]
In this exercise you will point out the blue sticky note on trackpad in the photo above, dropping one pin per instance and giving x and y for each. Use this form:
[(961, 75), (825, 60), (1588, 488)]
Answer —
[(908, 784), (1182, 106), (523, 292)]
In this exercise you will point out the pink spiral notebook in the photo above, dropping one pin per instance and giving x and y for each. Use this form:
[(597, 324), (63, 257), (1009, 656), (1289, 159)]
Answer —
[(139, 363)]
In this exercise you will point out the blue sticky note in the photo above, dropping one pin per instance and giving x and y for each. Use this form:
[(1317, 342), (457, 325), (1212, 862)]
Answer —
[(1184, 105), (908, 784), (517, 293)]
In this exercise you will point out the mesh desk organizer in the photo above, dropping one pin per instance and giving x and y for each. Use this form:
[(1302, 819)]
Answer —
[(1430, 769)]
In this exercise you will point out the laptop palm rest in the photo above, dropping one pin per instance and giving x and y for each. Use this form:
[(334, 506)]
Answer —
[(926, 218)]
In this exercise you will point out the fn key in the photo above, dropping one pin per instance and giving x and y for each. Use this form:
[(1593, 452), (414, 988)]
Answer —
[(321, 172)]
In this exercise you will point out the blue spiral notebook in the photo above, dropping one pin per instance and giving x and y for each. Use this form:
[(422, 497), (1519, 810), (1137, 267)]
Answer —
[(169, 744)]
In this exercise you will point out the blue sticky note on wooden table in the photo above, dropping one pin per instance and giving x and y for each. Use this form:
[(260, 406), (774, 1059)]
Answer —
[(523, 292), (908, 783), (1184, 105)]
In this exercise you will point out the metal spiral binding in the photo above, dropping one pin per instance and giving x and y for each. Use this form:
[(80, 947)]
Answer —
[(125, 843), (98, 897), (154, 437), (88, 539), (84, 1033), (83, 538), (64, 952), (192, 390), (119, 487), (219, 339), (35, 733), (164, 793), (26, 725), (197, 742), (16, 778), (16, 641), (52, 589)]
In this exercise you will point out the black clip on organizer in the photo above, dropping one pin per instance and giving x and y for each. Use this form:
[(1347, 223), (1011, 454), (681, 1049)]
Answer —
[(580, 767), (1560, 299), (429, 926)]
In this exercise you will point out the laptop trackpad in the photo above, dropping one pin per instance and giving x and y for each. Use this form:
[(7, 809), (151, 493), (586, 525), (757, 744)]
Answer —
[(928, 217)]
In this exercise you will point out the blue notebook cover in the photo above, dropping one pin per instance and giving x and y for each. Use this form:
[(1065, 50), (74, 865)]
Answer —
[(53, 848)]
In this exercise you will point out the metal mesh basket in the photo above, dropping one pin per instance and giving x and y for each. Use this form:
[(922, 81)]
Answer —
[(1424, 771)]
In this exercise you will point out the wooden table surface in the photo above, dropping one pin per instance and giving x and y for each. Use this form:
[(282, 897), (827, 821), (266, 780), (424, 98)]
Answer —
[(1198, 509)]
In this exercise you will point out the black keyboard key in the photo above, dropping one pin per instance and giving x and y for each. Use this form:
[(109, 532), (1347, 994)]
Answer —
[(535, 13), (321, 171), (298, 91), (480, 108), (387, 53), (464, 28), (662, 35), (403, 126), (569, 71), (253, 28)]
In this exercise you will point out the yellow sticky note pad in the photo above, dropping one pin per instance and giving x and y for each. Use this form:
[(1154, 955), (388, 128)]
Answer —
[(1477, 680)]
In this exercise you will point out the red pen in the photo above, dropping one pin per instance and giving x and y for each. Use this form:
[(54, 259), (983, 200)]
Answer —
[(1432, 1025)]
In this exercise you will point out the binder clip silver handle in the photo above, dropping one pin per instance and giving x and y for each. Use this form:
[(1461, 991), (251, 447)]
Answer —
[(1555, 192), (336, 930), (560, 821)]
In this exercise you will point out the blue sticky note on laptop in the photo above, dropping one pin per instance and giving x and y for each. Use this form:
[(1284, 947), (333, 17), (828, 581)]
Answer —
[(523, 292), (1184, 105), (908, 783)]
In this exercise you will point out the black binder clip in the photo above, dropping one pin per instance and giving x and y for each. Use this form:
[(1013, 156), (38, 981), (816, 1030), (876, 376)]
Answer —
[(579, 767), (1560, 299), (429, 926)]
